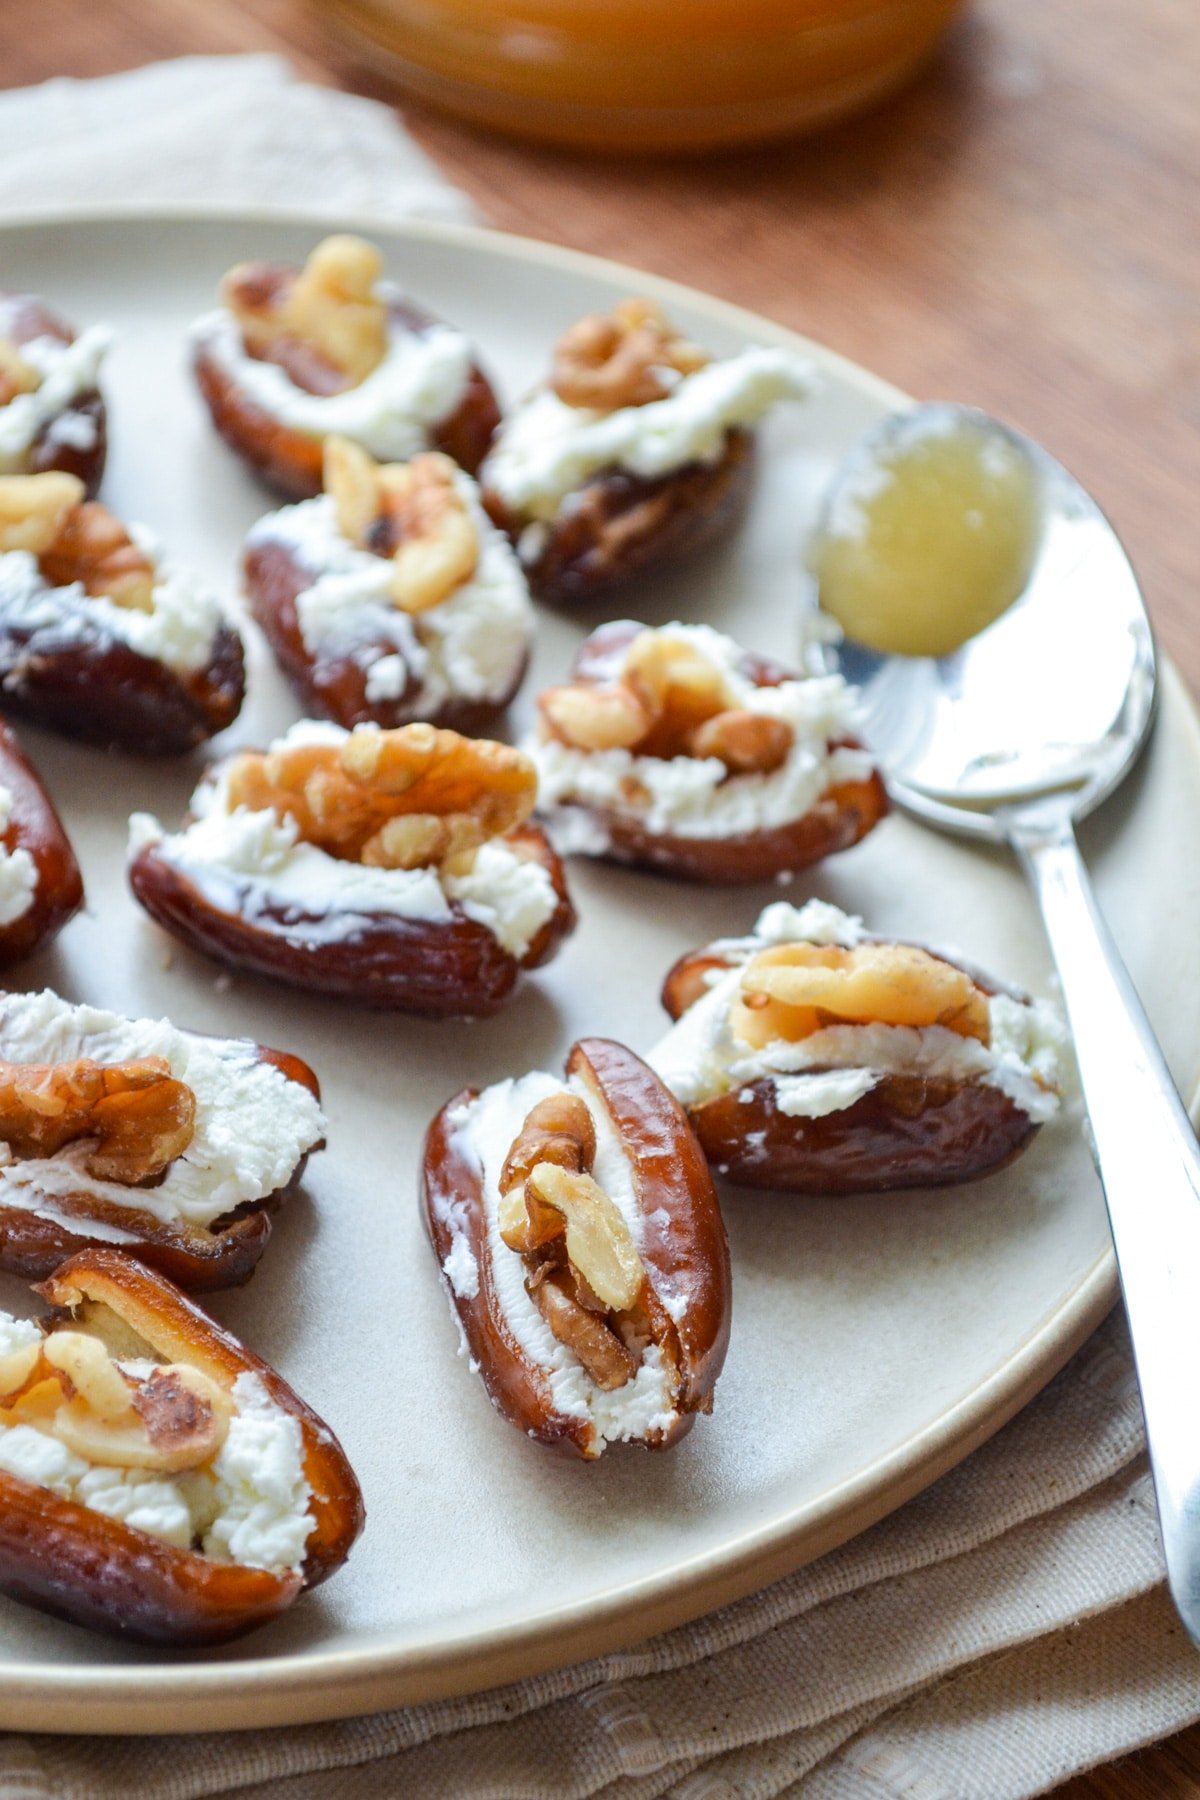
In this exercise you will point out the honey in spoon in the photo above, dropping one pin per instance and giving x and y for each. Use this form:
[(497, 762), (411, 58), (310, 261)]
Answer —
[(929, 533)]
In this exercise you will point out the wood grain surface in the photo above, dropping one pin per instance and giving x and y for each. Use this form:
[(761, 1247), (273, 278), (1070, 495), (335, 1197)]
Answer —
[(1018, 229)]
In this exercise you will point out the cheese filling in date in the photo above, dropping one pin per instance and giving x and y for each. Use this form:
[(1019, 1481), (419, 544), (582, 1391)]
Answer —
[(238, 1140), (469, 645), (255, 861), (547, 449), (792, 752), (821, 1061), (160, 1447), (48, 376), (573, 1292), (18, 871)]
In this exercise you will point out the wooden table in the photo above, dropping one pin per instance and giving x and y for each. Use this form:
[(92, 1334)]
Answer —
[(1018, 229)]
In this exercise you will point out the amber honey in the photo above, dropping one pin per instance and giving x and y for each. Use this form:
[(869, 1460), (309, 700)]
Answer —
[(645, 74), (931, 536)]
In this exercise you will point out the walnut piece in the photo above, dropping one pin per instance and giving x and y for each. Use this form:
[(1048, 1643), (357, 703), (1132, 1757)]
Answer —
[(627, 358), (608, 1361), (74, 539), (138, 1115), (95, 548), (411, 513), (598, 1241), (167, 1420), (331, 304), (792, 990), (668, 700), (411, 798), (583, 1267), (558, 1130), (35, 508)]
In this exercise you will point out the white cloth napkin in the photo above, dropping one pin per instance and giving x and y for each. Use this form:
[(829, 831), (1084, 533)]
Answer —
[(1003, 1631)]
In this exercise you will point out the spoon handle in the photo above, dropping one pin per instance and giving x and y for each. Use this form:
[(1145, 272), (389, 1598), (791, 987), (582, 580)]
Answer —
[(1149, 1165)]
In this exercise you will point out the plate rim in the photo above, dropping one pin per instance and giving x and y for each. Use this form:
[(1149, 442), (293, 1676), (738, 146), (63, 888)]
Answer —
[(312, 1685)]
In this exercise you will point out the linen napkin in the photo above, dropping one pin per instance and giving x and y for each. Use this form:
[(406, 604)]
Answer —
[(1004, 1630)]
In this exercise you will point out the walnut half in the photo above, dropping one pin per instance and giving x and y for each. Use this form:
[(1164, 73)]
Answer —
[(331, 304), (628, 357), (405, 799), (668, 699), (584, 1271), (74, 539), (410, 513), (792, 990), (139, 1116)]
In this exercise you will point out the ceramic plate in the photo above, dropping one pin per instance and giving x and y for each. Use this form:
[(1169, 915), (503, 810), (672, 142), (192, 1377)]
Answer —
[(875, 1341)]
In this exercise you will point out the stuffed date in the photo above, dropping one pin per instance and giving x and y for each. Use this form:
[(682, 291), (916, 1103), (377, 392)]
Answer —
[(102, 638), (292, 356), (676, 750), (174, 1146), (391, 596), (52, 413), (40, 884), (816, 1059), (582, 1250), (638, 450), (396, 868), (157, 1480)]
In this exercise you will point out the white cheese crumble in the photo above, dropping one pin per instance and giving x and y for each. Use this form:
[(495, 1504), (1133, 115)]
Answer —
[(65, 372), (179, 630), (695, 796), (253, 1125), (393, 413), (471, 647), (249, 1506), (486, 1129), (18, 871), (547, 450), (826, 1072), (255, 862)]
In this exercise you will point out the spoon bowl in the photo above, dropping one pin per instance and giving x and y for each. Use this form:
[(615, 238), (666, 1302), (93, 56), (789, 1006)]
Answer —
[(1049, 705), (1012, 738)]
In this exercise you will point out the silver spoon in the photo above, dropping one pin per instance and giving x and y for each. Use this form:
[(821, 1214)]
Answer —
[(1012, 739)]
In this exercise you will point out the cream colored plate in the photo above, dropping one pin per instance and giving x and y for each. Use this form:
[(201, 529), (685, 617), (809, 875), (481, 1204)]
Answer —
[(875, 1341)]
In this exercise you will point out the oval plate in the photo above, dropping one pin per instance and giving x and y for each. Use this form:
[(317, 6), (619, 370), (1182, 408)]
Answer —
[(876, 1341)]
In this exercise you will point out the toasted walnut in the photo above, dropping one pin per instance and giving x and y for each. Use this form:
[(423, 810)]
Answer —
[(16, 375), (95, 548), (598, 1241), (668, 700), (748, 743), (405, 799), (596, 718), (171, 1419), (792, 990), (138, 1115), (331, 304), (35, 508), (627, 358), (557, 1130), (411, 513), (608, 1362)]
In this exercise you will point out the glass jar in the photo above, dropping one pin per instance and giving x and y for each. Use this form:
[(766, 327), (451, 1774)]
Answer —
[(644, 74)]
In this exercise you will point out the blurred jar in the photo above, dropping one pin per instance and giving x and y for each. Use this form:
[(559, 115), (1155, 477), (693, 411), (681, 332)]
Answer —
[(644, 74)]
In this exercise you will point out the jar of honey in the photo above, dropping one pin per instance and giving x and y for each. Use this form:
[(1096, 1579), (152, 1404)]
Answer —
[(644, 74)]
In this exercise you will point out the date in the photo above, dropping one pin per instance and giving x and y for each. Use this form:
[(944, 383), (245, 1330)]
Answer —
[(611, 1321), (85, 1381)]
